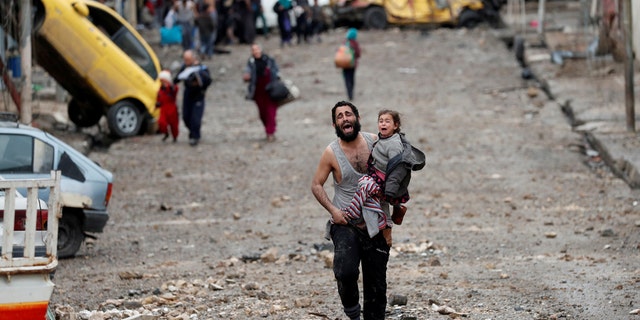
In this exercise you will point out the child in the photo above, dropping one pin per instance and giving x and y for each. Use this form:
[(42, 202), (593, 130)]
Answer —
[(167, 104), (390, 165)]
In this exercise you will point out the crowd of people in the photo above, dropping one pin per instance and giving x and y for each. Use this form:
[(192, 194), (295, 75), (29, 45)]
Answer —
[(208, 22)]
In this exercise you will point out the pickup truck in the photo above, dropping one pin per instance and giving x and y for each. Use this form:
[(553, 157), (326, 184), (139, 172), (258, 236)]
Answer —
[(25, 276)]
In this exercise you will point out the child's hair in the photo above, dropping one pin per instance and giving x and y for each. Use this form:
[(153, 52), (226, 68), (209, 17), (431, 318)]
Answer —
[(394, 115)]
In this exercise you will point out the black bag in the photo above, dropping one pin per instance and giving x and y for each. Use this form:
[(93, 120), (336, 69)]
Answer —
[(277, 90)]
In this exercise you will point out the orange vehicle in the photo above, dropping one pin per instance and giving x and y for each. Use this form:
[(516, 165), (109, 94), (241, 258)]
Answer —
[(377, 14)]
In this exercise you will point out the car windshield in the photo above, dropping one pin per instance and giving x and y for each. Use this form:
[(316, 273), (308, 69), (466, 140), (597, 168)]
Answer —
[(124, 39), (24, 154)]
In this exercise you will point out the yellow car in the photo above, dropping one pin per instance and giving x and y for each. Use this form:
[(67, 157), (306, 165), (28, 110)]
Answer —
[(101, 60), (376, 14)]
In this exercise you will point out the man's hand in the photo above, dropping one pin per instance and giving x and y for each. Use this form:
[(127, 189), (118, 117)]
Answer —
[(339, 217)]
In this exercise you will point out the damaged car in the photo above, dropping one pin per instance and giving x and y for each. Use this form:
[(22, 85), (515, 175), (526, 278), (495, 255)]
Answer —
[(85, 188)]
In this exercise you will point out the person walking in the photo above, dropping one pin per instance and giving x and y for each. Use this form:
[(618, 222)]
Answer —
[(346, 160), (317, 21), (260, 70), (258, 13), (207, 29), (246, 21), (196, 80), (281, 8), (185, 17), (349, 74), (302, 10)]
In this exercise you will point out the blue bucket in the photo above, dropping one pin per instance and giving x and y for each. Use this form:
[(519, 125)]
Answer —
[(13, 64)]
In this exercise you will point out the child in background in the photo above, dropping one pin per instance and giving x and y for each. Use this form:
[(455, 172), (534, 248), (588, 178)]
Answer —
[(390, 165), (168, 108)]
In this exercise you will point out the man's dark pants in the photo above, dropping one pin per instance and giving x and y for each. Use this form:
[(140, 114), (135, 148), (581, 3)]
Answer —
[(192, 112), (353, 246), (349, 75)]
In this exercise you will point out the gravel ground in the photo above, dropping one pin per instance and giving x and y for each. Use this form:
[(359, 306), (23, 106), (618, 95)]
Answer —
[(505, 222)]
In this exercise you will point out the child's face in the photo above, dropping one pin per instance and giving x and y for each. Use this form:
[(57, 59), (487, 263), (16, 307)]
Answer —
[(386, 126)]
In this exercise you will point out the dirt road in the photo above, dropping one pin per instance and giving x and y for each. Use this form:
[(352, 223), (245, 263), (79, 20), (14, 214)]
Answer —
[(505, 222)]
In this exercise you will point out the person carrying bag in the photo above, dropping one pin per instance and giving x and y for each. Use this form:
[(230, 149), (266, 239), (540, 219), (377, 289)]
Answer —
[(347, 58)]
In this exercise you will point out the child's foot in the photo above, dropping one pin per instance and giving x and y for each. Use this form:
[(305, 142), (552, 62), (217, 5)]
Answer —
[(386, 233), (166, 135), (398, 214)]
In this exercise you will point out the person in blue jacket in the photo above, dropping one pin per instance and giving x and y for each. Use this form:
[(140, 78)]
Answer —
[(196, 80)]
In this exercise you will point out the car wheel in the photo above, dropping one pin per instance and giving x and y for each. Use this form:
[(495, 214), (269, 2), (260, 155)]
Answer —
[(83, 115), (125, 119), (375, 18), (469, 19), (70, 235)]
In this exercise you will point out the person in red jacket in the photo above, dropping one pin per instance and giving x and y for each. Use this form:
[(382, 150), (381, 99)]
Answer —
[(167, 95)]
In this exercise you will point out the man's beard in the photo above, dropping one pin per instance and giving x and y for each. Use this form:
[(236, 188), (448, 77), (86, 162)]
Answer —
[(349, 137)]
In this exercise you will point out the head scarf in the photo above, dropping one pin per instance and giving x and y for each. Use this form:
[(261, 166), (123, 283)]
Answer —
[(286, 4), (352, 34)]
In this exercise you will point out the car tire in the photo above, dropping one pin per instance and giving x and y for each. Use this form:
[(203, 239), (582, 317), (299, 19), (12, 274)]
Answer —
[(83, 115), (375, 18), (70, 235), (125, 119), (469, 19)]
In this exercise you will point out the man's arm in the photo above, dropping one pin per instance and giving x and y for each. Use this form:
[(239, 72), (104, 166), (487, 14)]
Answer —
[(326, 166)]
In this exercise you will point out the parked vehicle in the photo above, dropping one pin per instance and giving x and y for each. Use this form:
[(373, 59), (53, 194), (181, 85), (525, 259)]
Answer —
[(99, 58), (19, 224), (377, 14), (272, 18), (25, 278), (30, 153)]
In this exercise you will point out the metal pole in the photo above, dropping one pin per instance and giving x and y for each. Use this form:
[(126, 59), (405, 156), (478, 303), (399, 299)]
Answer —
[(2, 53), (118, 7), (628, 67), (25, 55), (541, 9)]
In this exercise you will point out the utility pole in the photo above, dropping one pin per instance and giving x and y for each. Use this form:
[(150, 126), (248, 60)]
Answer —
[(628, 67), (25, 56), (541, 11)]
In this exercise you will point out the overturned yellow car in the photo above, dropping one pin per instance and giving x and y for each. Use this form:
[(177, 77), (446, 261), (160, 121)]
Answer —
[(100, 59)]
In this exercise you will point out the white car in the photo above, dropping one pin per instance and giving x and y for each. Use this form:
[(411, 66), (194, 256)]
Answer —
[(272, 18), (19, 224)]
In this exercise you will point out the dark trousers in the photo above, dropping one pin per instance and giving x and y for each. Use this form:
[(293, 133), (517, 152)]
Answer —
[(349, 75), (352, 248), (192, 112), (302, 28), (187, 35)]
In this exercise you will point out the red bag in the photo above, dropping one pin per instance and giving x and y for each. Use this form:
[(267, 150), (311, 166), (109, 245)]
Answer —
[(345, 58)]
